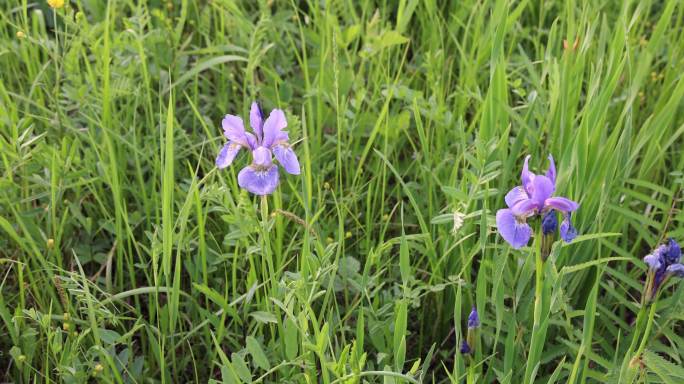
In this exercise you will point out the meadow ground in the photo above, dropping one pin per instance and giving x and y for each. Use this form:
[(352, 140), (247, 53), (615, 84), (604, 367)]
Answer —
[(126, 255)]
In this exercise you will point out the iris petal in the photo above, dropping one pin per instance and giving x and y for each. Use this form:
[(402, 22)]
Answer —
[(551, 172), (653, 262), (525, 208), (287, 158), (256, 120), (516, 233), (259, 181), (542, 189), (227, 154), (515, 196), (273, 127), (676, 270), (561, 203), (567, 231), (526, 176)]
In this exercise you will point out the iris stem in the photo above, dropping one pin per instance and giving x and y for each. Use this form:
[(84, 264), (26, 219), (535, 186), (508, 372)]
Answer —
[(638, 325), (647, 332), (266, 247), (537, 342)]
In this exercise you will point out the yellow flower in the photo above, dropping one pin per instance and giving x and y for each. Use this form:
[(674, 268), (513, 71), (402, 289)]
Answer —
[(55, 3), (20, 35)]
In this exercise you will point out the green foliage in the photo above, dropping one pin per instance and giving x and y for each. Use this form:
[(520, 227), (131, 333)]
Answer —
[(126, 256)]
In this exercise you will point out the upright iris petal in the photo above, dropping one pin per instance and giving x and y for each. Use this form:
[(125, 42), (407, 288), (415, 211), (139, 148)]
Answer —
[(273, 127), (543, 188), (465, 348), (551, 172), (256, 120)]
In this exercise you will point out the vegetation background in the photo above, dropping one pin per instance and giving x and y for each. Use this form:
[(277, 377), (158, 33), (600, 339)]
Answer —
[(126, 256)]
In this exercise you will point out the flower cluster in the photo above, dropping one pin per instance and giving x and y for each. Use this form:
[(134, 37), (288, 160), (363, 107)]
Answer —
[(662, 263), (261, 177), (535, 198)]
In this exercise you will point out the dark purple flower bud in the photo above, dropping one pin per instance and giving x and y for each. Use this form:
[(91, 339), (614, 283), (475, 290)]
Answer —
[(473, 319), (672, 252), (465, 348), (549, 223), (567, 230)]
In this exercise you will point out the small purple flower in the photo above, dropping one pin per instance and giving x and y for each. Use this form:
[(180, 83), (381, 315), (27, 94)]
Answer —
[(262, 176), (662, 263), (473, 319), (465, 348), (533, 197)]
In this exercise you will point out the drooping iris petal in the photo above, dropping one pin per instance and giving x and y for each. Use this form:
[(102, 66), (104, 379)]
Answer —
[(567, 231), (551, 172), (515, 196), (526, 176), (259, 181), (672, 252), (227, 154), (287, 158), (549, 223), (473, 319), (256, 120), (653, 262), (273, 126), (262, 157), (524, 208), (562, 204), (517, 234), (676, 270), (542, 189)]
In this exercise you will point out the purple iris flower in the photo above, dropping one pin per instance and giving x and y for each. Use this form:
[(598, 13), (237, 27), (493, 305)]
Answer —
[(261, 177), (473, 319), (662, 263), (533, 197)]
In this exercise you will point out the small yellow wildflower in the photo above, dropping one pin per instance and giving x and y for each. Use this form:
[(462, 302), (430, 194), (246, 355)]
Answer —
[(50, 243), (20, 34), (55, 3)]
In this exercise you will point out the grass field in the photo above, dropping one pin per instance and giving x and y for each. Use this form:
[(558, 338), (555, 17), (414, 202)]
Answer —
[(126, 255)]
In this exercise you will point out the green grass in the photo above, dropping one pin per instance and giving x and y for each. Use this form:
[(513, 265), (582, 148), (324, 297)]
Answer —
[(126, 256)]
